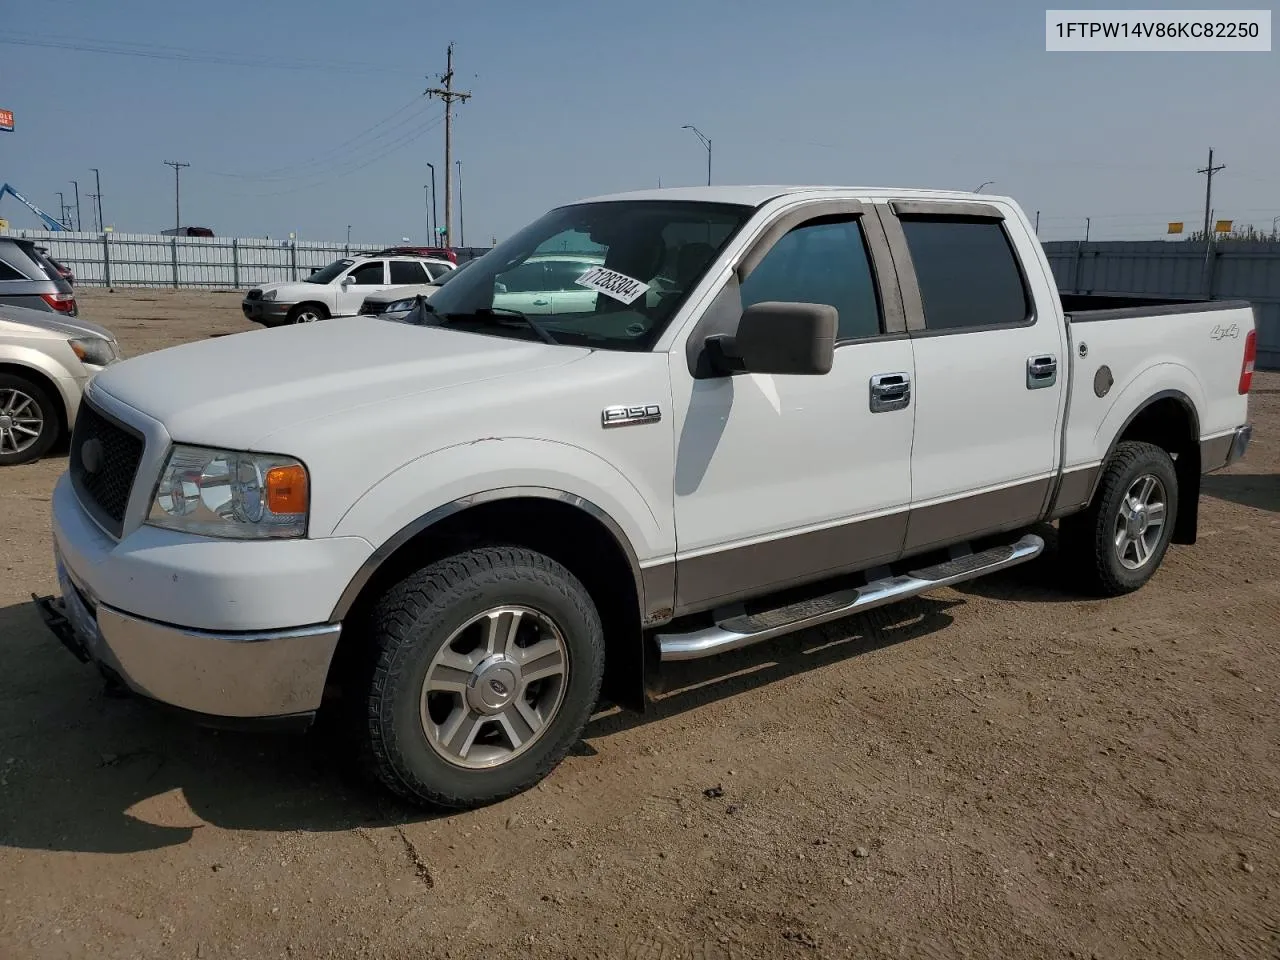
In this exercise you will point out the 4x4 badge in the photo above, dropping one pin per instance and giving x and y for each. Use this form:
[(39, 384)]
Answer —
[(630, 416)]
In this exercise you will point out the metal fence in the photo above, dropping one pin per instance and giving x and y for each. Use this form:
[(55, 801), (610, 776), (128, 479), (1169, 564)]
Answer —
[(215, 263), (1228, 270)]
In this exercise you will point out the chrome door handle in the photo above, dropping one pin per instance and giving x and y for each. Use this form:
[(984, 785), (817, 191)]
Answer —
[(541, 303), (1042, 371), (890, 391)]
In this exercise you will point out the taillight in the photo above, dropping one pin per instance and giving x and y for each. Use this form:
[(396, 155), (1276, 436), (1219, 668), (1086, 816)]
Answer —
[(1250, 355), (62, 302)]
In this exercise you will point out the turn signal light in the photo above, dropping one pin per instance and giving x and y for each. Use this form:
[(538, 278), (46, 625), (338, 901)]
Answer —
[(61, 302), (287, 490)]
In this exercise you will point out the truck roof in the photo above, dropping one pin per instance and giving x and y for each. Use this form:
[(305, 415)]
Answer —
[(755, 195)]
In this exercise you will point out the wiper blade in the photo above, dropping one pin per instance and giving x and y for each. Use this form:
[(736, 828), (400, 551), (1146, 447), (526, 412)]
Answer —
[(496, 313)]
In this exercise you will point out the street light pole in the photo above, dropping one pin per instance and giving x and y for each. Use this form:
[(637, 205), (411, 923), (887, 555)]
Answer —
[(984, 183), (706, 142), (435, 218), (462, 229), (77, 186)]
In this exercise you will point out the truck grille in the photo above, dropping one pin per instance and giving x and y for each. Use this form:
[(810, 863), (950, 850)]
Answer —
[(103, 464)]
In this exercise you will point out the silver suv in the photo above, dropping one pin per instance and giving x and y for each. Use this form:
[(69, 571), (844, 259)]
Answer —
[(28, 279), (45, 362)]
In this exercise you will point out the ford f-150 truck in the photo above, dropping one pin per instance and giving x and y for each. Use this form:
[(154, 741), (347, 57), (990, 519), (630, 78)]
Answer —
[(465, 529)]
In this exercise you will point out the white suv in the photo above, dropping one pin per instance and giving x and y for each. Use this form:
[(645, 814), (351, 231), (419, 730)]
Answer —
[(338, 289)]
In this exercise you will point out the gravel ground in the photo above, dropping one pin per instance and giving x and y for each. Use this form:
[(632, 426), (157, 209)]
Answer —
[(999, 770)]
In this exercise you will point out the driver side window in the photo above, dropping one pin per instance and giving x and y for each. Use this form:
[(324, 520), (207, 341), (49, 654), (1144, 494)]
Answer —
[(822, 261)]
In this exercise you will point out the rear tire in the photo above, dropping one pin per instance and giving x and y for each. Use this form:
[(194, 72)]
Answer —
[(484, 670), (25, 406), (1116, 545)]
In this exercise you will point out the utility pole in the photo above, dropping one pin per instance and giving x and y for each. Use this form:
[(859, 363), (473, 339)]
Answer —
[(434, 226), (97, 225), (1208, 172), (1037, 223), (462, 227), (62, 210), (1087, 221), (97, 181), (177, 190), (77, 186), (448, 95)]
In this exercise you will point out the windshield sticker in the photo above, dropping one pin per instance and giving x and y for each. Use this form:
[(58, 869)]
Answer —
[(612, 283)]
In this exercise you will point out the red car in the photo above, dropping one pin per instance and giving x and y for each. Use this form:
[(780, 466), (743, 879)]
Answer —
[(436, 253), (63, 270)]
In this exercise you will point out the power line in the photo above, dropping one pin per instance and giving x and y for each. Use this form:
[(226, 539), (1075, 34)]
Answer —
[(338, 173), (292, 171), (1208, 172), (448, 95), (160, 52), (177, 191)]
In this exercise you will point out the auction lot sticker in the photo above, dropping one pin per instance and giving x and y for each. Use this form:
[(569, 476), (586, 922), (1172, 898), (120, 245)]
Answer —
[(612, 283)]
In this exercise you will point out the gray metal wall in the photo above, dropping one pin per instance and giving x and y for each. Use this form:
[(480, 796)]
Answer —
[(227, 263), (1230, 270)]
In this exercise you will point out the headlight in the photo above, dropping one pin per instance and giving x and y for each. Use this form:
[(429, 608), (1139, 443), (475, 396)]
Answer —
[(401, 305), (269, 295), (223, 493), (94, 350)]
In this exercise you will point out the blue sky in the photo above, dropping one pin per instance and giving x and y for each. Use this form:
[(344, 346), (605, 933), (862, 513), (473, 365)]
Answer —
[(573, 99)]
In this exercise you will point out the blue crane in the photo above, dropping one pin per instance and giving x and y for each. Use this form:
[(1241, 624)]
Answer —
[(48, 221)]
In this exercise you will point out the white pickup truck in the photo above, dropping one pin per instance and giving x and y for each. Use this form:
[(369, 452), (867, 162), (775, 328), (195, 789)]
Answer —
[(465, 528)]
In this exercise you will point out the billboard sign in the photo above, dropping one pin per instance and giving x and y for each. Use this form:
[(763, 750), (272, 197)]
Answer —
[(6, 121)]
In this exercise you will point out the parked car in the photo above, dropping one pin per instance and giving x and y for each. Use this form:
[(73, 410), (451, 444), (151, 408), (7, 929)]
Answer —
[(338, 289), (62, 269), (398, 303), (29, 280), (468, 529), (187, 232), (45, 362)]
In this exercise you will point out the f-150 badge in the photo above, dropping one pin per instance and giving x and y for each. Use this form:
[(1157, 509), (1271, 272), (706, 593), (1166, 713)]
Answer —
[(630, 416)]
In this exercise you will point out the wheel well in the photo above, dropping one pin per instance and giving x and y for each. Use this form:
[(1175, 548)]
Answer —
[(311, 303), (565, 533), (1170, 423), (42, 379)]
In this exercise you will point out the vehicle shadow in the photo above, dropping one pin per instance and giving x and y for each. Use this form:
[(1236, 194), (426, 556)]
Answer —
[(1261, 491), (83, 772)]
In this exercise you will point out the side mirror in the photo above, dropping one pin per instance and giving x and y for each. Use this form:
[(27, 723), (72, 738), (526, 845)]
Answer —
[(348, 280), (775, 337)]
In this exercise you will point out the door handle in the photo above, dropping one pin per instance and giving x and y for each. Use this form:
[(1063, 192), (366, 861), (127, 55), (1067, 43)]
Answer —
[(1042, 371), (890, 391), (541, 303)]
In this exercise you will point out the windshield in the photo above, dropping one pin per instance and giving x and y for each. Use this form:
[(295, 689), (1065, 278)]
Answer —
[(608, 274), (329, 273)]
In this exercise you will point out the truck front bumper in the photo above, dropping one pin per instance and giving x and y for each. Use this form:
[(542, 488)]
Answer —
[(204, 625), (265, 675)]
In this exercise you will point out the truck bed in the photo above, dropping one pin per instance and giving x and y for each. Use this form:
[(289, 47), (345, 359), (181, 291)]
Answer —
[(1086, 307)]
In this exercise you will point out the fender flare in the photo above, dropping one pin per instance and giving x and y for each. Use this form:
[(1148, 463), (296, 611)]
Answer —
[(492, 495)]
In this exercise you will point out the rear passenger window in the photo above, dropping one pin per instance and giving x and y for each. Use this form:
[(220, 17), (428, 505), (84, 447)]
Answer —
[(407, 271), (967, 273), (822, 261), (8, 273)]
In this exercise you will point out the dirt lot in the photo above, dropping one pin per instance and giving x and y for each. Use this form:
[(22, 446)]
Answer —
[(997, 771)]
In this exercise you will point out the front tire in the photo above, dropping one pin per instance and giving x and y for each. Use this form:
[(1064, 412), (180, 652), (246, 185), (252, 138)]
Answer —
[(29, 423), (308, 313), (486, 667), (1116, 545)]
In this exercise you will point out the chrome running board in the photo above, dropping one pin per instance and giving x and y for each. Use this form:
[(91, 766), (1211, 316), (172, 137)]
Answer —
[(744, 630)]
